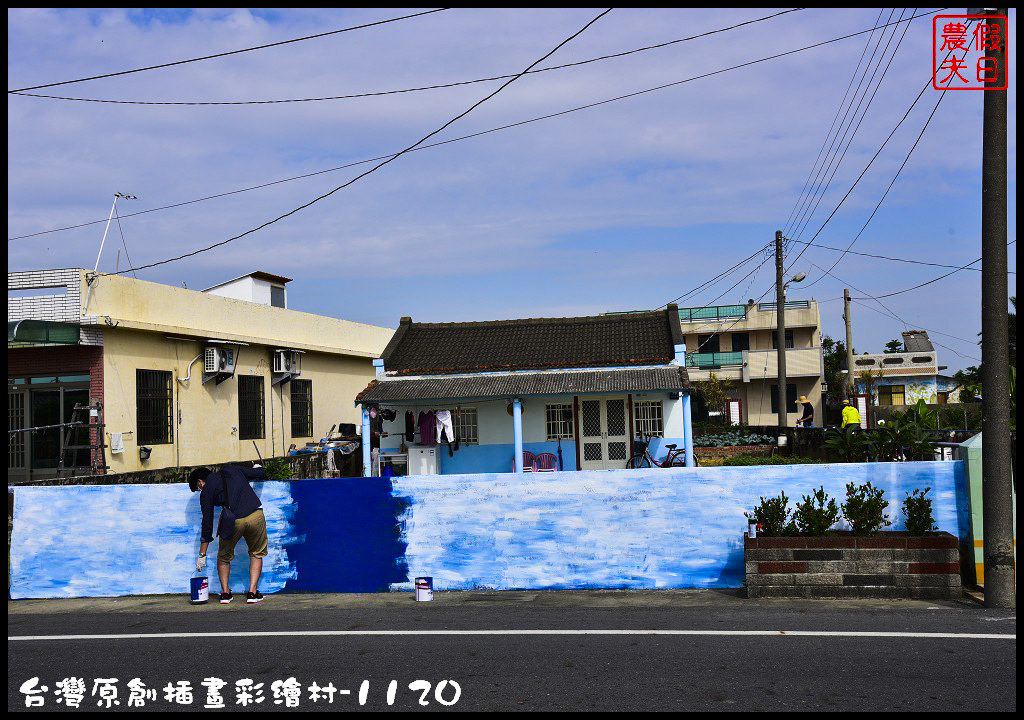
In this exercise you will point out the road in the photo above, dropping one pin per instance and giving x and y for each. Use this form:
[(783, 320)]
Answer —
[(588, 650)]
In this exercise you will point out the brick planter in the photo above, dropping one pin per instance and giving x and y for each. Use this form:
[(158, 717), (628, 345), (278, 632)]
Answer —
[(727, 451), (840, 565)]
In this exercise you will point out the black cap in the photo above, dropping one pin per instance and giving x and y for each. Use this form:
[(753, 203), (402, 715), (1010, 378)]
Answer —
[(200, 473)]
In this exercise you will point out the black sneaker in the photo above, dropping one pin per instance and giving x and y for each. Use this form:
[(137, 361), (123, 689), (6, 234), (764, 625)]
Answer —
[(225, 598), (254, 597)]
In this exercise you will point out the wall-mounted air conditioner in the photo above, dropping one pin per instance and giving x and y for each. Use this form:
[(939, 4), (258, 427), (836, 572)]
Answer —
[(287, 364), (287, 361), (219, 360)]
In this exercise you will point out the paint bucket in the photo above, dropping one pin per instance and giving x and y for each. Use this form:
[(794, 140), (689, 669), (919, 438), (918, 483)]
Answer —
[(200, 587), (424, 589)]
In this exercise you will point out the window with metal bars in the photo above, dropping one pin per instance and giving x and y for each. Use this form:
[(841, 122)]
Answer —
[(648, 419), (302, 408), (464, 422), (154, 407), (250, 407), (558, 421)]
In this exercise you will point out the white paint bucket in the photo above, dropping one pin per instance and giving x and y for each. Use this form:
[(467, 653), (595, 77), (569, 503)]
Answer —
[(200, 590), (424, 589)]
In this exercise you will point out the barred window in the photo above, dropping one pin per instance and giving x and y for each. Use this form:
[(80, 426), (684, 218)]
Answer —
[(154, 407), (558, 421), (302, 408), (464, 422), (648, 418), (892, 395), (250, 407)]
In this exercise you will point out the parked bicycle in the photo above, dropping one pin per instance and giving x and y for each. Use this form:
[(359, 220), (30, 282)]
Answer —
[(642, 458)]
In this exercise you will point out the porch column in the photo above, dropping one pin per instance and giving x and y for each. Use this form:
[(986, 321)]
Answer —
[(688, 431), (367, 438), (517, 431), (687, 417)]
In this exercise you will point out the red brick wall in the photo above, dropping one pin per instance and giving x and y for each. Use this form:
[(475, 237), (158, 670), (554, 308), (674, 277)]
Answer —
[(61, 360)]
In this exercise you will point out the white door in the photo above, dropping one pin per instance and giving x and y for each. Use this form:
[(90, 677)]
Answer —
[(603, 433)]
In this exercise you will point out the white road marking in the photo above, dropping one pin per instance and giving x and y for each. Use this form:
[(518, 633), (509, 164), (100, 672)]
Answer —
[(371, 633)]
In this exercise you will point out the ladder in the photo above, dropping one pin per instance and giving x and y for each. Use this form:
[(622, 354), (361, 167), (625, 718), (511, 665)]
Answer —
[(97, 457)]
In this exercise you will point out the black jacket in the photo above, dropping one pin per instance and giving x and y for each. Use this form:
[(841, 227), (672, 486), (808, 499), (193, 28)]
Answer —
[(229, 486)]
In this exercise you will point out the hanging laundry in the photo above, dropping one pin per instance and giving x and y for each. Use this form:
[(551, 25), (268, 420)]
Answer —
[(444, 429), (410, 427), (426, 424), (388, 415)]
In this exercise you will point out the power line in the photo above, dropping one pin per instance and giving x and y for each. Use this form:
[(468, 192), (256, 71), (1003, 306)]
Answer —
[(947, 347), (471, 135), (887, 257), (849, 85), (385, 162), (230, 52), (851, 135), (800, 208), (716, 277), (933, 280), (414, 89)]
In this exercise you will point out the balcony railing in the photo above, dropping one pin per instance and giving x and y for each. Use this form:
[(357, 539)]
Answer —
[(788, 305), (719, 312), (714, 360)]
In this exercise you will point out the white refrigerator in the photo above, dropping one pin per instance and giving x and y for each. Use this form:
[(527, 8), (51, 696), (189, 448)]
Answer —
[(423, 460)]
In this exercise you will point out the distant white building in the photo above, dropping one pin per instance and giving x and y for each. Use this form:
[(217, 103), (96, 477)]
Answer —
[(905, 377)]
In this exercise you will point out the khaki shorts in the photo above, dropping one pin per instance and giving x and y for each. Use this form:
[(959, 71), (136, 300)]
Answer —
[(253, 528)]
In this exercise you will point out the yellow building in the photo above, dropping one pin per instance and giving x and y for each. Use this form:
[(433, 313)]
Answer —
[(183, 377), (738, 343)]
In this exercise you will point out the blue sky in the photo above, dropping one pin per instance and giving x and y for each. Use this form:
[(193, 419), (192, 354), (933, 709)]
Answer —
[(623, 206)]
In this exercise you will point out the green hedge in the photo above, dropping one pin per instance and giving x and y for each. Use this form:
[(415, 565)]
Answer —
[(763, 460)]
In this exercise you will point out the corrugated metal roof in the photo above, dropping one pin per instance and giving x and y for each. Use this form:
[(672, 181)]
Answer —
[(671, 378), (917, 341)]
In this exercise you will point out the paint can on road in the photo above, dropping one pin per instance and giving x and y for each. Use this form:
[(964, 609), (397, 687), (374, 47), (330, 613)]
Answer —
[(424, 589), (200, 590)]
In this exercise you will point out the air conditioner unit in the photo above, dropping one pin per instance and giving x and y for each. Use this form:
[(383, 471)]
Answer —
[(287, 361), (219, 360)]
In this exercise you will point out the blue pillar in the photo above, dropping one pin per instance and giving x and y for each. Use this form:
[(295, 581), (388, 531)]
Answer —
[(687, 417), (517, 430), (367, 438), (688, 431)]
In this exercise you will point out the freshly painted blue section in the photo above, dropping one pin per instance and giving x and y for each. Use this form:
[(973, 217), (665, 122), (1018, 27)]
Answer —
[(107, 540), (651, 528), (351, 538), (679, 527)]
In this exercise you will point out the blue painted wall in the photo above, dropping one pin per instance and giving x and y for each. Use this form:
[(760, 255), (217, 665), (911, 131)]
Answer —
[(650, 528)]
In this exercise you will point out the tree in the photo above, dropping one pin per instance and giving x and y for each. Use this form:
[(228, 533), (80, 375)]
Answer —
[(969, 383), (869, 380), (893, 346), (834, 357), (714, 391)]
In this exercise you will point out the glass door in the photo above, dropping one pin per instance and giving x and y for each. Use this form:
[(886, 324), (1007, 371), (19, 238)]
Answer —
[(603, 433)]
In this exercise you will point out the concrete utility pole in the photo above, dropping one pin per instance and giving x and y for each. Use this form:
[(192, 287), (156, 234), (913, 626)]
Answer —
[(851, 381), (995, 374), (780, 332)]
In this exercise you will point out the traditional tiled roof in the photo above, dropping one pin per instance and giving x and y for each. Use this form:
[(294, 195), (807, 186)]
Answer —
[(521, 384), (618, 340)]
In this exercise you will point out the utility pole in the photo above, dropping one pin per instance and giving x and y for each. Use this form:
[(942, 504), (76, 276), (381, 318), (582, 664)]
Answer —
[(851, 382), (1000, 585), (780, 332)]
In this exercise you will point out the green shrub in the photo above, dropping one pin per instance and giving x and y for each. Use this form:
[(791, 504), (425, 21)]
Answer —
[(865, 508), (278, 469), (743, 460), (816, 513), (732, 439), (918, 510), (772, 515)]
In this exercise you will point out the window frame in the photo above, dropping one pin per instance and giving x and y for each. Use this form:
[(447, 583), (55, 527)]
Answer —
[(304, 400), (889, 394), (154, 408), (645, 425), (246, 396), (467, 433), (564, 427), (790, 408)]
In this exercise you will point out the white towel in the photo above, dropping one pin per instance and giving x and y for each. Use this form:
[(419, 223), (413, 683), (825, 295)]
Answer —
[(116, 443)]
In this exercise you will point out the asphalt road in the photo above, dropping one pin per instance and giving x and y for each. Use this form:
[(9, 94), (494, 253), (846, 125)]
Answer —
[(703, 666)]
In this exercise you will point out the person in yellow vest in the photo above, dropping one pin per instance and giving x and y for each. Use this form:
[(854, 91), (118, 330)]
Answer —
[(851, 417)]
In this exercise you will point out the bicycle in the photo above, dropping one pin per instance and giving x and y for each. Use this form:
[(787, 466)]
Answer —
[(642, 458)]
